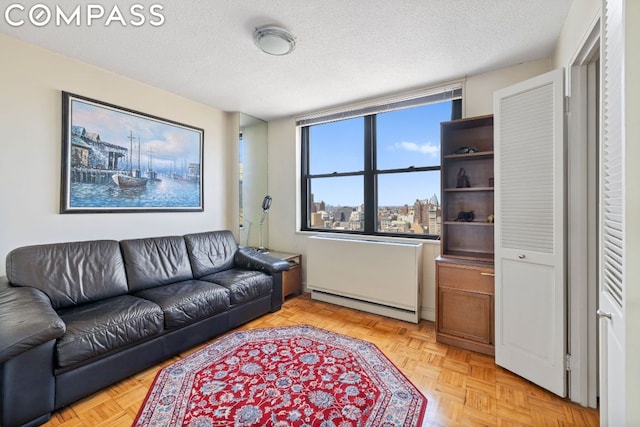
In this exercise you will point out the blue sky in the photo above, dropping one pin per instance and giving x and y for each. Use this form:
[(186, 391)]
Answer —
[(168, 143), (409, 137)]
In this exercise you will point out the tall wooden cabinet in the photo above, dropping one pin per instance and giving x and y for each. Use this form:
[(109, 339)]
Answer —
[(464, 270)]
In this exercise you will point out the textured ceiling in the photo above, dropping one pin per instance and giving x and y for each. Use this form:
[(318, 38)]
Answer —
[(347, 50)]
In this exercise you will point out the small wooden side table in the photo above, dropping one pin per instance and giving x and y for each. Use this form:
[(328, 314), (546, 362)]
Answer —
[(292, 278)]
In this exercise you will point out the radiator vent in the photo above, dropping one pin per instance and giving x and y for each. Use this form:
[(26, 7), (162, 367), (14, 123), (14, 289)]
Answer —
[(374, 276)]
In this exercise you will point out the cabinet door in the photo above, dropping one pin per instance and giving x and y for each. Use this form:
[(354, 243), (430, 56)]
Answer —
[(465, 305), (529, 230), (465, 314)]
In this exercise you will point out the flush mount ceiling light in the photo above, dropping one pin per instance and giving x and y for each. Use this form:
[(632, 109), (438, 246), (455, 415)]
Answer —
[(274, 40)]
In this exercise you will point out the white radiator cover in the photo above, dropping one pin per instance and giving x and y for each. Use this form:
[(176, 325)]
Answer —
[(373, 276)]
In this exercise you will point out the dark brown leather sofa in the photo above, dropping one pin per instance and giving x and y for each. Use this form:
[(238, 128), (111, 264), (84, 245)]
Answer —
[(76, 317)]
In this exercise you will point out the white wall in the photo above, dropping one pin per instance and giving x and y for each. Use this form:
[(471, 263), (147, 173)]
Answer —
[(478, 89), (284, 155), (31, 81)]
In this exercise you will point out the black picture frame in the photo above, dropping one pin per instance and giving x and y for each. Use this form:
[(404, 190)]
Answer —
[(116, 159)]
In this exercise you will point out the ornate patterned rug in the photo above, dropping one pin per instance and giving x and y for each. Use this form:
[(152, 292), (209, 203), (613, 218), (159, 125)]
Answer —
[(286, 376)]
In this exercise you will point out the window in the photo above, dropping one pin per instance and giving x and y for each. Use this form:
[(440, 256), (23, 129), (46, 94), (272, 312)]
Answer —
[(376, 170)]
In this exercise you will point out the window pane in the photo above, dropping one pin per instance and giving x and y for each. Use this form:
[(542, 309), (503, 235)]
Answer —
[(411, 137), (337, 203), (337, 147), (409, 203)]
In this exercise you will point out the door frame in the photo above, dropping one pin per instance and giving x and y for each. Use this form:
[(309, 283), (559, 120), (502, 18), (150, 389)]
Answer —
[(583, 137)]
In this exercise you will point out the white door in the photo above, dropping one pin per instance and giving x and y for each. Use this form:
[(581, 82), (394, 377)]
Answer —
[(530, 314), (612, 302)]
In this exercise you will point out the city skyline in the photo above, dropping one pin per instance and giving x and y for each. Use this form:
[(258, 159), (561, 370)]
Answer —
[(424, 216)]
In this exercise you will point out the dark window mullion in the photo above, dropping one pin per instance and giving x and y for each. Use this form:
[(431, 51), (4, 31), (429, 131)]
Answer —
[(335, 174), (408, 170), (305, 179), (370, 210)]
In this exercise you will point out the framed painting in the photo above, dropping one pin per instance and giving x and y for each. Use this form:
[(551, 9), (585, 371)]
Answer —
[(118, 160)]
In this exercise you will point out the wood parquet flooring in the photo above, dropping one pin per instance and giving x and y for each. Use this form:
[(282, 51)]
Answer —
[(463, 388)]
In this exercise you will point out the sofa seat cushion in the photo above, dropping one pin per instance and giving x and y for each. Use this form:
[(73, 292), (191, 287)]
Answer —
[(100, 327), (188, 301), (243, 285)]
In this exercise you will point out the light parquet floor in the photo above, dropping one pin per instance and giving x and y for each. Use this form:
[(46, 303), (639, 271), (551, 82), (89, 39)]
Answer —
[(463, 388)]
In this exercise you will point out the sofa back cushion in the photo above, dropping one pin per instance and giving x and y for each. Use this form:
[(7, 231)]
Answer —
[(211, 252), (70, 273), (155, 261)]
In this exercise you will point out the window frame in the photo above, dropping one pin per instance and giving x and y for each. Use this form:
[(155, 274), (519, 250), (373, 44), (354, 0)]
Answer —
[(370, 173)]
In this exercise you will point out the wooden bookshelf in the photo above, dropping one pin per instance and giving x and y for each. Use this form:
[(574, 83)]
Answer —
[(464, 271)]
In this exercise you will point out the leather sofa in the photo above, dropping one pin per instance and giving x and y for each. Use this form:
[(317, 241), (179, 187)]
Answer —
[(76, 317)]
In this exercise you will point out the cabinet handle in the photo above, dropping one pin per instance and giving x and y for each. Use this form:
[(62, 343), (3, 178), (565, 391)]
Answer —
[(521, 256), (602, 314), (482, 273)]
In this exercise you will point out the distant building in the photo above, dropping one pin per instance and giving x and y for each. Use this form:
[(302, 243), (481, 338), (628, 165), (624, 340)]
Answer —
[(435, 220), (417, 229), (428, 215), (343, 214), (316, 207), (316, 220)]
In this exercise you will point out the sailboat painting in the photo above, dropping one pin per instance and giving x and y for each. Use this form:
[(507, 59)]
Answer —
[(130, 180), (119, 160)]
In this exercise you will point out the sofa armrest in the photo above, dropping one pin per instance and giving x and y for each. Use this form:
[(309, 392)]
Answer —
[(254, 260), (26, 320)]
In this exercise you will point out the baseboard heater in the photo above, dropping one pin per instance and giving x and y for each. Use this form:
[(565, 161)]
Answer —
[(374, 276)]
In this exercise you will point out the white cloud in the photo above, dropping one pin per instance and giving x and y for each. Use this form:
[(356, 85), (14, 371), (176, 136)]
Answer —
[(426, 148)]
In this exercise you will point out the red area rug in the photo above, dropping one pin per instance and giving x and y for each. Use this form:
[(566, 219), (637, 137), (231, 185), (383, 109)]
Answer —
[(287, 376)]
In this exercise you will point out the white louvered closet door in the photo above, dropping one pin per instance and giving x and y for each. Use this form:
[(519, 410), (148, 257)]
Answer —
[(530, 312), (612, 301)]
